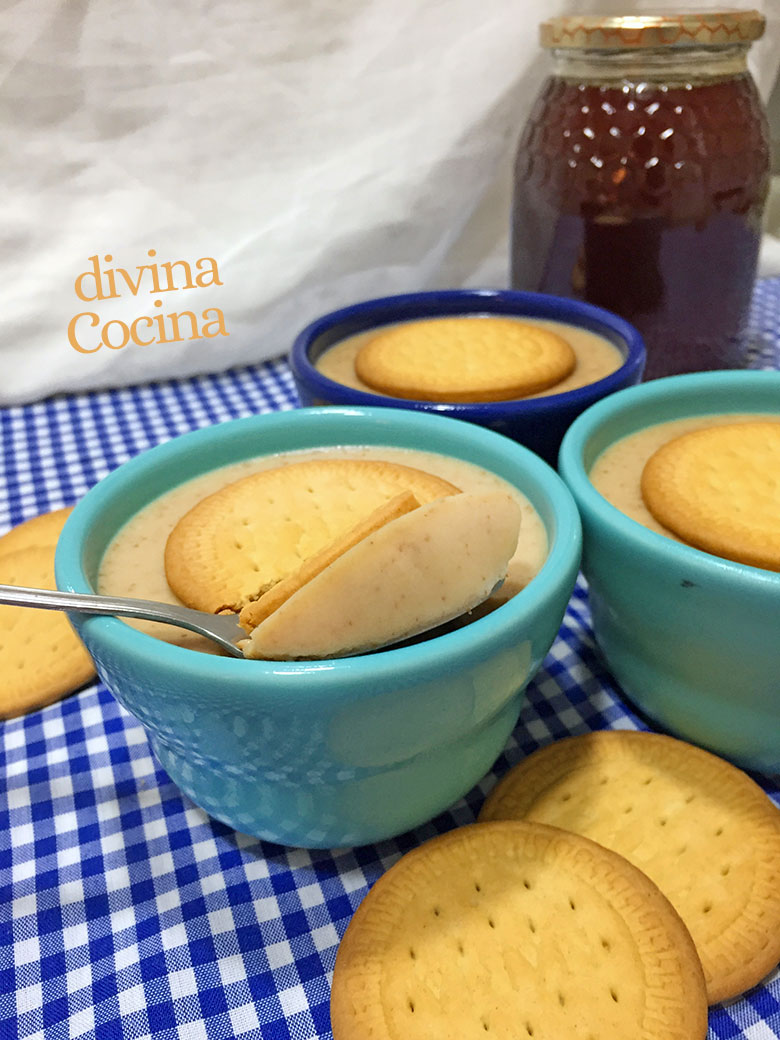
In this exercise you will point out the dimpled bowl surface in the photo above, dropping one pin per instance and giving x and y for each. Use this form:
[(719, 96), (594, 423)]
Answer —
[(340, 752), (694, 640), (538, 423)]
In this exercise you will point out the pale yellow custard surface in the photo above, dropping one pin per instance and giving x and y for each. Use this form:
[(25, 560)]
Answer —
[(596, 357), (617, 472), (133, 564)]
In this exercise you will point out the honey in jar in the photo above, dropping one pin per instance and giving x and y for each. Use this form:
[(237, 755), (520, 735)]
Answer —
[(641, 178)]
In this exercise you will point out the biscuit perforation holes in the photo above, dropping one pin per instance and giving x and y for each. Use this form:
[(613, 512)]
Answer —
[(491, 922), (529, 1029), (613, 994), (606, 944), (412, 954), (410, 1004), (572, 904)]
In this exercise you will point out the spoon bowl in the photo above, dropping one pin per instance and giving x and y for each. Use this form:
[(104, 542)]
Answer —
[(222, 629)]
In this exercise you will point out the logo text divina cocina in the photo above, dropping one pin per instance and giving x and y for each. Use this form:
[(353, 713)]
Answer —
[(87, 332)]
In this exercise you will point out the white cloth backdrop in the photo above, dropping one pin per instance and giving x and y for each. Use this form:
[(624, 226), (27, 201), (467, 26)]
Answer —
[(308, 154)]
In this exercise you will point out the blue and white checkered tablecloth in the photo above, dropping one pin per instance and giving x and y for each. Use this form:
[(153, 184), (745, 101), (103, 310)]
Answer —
[(126, 911)]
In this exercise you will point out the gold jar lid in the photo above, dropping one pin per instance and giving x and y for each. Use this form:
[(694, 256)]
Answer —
[(666, 29)]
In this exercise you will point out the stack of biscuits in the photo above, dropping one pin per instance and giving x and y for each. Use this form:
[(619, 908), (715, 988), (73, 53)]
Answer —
[(615, 885)]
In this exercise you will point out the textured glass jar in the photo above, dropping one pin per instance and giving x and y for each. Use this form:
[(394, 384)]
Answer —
[(641, 178)]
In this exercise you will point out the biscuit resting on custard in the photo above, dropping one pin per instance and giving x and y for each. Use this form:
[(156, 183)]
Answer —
[(237, 543), (464, 359), (428, 566), (718, 489)]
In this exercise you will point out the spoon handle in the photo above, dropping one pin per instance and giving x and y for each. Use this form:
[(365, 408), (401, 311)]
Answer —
[(84, 603), (223, 630)]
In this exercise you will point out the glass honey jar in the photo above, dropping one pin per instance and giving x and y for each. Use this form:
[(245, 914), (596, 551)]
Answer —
[(641, 178)]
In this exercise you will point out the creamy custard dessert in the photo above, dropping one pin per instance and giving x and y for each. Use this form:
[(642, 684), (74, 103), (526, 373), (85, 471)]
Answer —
[(596, 357), (617, 472), (134, 562)]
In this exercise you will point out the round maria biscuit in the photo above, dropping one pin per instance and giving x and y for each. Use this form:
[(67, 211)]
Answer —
[(511, 930), (236, 544), (700, 828), (41, 657), (464, 359), (43, 529), (718, 489)]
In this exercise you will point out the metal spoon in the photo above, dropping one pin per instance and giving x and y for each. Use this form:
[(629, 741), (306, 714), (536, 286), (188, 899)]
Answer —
[(222, 629)]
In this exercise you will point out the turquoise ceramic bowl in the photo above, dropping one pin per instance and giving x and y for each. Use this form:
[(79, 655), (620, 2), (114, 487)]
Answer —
[(692, 639), (339, 752)]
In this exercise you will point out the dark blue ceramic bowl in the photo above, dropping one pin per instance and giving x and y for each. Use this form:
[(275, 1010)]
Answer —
[(539, 423)]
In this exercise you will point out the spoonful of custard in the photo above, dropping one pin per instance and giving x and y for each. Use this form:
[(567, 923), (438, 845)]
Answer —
[(425, 566), (410, 575)]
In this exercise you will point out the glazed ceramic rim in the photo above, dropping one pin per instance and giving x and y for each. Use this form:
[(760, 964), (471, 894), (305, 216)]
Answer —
[(625, 403), (340, 678), (440, 303)]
